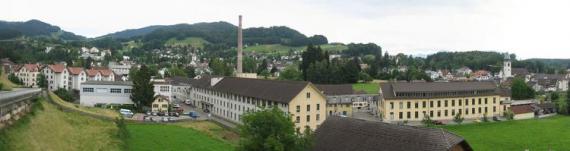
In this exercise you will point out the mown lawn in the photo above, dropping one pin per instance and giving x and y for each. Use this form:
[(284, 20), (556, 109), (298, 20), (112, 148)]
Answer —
[(534, 134), (173, 137), (112, 114), (51, 129), (370, 88)]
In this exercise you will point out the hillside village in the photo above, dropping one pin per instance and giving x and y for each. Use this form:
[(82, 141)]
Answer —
[(316, 86)]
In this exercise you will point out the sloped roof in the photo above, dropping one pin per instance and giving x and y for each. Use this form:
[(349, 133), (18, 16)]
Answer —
[(32, 67), (92, 72), (57, 68), (390, 89), (104, 71), (336, 89), (520, 71), (74, 70), (274, 90), (338, 133)]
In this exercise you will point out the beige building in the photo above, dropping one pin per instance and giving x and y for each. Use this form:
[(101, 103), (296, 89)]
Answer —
[(404, 101), (28, 73), (160, 104), (343, 100), (230, 97)]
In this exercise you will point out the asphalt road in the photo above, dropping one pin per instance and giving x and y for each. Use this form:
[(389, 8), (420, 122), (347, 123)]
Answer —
[(9, 96)]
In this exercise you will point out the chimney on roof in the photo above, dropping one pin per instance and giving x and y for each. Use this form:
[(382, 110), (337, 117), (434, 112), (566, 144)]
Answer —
[(239, 47)]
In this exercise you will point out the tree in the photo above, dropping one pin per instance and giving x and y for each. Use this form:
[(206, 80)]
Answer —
[(520, 90), (64, 94), (41, 81), (271, 129), (351, 70), (190, 72), (568, 101), (458, 119), (88, 62), (262, 67), (290, 73), (14, 79), (427, 121), (554, 96), (176, 71), (142, 94)]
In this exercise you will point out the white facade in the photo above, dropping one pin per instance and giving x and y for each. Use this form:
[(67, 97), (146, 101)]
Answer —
[(76, 80), (56, 76), (28, 74), (105, 92), (163, 88), (506, 72)]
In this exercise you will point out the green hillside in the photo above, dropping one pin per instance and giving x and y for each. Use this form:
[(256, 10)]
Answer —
[(273, 49), (190, 41)]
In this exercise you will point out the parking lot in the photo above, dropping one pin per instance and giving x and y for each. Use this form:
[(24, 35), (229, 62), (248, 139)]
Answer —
[(185, 116)]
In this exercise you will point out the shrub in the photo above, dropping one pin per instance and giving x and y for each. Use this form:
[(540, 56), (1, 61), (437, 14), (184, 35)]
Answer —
[(427, 121), (509, 115), (64, 94), (458, 119), (485, 119), (123, 133)]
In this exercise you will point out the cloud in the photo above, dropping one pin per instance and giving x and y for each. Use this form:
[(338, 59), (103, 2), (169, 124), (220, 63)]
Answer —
[(526, 27)]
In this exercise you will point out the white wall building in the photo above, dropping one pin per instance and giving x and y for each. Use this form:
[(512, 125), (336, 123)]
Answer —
[(105, 92), (28, 74), (76, 76), (56, 76)]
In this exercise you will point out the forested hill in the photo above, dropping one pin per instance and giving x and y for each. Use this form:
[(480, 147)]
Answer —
[(222, 33), (34, 28)]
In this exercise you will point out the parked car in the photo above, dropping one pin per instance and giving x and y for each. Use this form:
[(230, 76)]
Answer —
[(193, 115), (175, 114), (176, 106), (126, 113), (165, 119), (188, 102), (161, 113)]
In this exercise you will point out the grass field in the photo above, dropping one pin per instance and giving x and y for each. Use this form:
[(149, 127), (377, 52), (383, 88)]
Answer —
[(542, 134), (91, 110), (370, 88), (7, 85), (191, 41), (51, 129), (174, 137)]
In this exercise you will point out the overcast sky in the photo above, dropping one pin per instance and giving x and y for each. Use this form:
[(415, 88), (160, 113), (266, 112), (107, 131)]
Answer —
[(529, 28)]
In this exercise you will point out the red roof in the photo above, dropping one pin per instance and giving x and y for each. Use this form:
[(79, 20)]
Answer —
[(521, 109), (74, 70), (57, 68), (106, 72), (92, 72)]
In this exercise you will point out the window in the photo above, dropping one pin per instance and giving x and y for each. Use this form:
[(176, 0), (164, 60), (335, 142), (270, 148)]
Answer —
[(409, 105), (409, 115), (466, 111), (445, 113), (459, 111), (128, 90), (401, 105), (308, 108), (479, 110), (114, 90), (298, 119), (416, 115), (424, 104), (472, 110), (155, 105), (452, 102), (391, 105), (308, 95), (318, 117), (466, 102), (485, 109), (472, 101), (430, 113), (438, 113), (459, 102), (308, 118), (391, 115), (430, 103), (164, 106), (344, 113), (164, 88), (401, 115), (479, 101), (453, 112), (438, 103), (298, 108), (318, 107), (485, 100), (88, 90), (494, 109), (417, 105)]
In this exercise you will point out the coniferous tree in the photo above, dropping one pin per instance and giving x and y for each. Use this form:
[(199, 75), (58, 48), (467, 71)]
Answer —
[(142, 94)]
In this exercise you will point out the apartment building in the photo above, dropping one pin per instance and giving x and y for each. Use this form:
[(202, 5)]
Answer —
[(231, 97), (57, 76), (76, 76), (405, 101), (28, 73)]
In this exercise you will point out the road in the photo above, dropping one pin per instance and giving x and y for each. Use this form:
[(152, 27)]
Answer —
[(7, 97)]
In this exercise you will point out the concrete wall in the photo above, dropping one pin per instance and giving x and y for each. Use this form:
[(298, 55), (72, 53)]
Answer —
[(103, 95), (524, 116)]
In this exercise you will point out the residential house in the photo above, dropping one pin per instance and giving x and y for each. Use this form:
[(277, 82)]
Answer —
[(57, 76), (160, 104), (93, 75), (76, 76), (28, 74), (550, 82)]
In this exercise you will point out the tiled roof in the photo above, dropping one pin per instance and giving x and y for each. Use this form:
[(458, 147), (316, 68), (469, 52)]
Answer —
[(390, 89), (521, 109), (107, 83), (104, 71), (273, 90), (336, 89), (74, 70), (349, 134), (31, 67), (520, 71), (92, 72), (57, 68)]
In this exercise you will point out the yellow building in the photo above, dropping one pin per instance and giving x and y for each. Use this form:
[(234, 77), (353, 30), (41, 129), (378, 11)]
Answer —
[(230, 97), (160, 104), (405, 101)]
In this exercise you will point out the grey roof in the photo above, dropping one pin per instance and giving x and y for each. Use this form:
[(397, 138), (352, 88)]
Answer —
[(336, 89), (391, 88), (349, 134), (107, 83), (273, 90)]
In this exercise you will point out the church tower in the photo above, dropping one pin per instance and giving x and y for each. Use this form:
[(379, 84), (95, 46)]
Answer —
[(507, 66)]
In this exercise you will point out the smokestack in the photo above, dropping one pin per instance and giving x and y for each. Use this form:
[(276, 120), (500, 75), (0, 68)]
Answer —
[(239, 48)]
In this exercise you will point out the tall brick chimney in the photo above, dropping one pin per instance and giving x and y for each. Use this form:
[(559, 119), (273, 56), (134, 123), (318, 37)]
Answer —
[(239, 48)]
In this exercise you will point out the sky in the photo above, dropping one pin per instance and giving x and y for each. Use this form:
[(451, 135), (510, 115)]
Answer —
[(528, 28)]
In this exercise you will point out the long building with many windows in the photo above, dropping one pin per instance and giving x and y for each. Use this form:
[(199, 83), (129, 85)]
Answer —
[(405, 101), (231, 97)]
